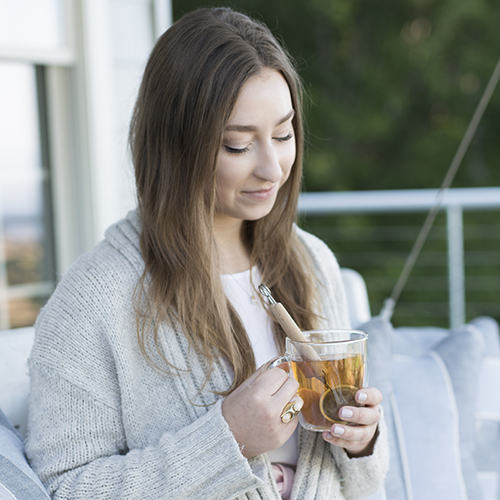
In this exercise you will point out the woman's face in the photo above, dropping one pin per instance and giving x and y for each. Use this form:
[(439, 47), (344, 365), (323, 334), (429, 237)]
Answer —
[(258, 150)]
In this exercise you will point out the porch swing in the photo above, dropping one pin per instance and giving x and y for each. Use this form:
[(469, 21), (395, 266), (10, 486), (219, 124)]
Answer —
[(441, 387)]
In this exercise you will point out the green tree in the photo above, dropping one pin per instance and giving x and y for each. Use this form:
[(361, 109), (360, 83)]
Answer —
[(391, 89)]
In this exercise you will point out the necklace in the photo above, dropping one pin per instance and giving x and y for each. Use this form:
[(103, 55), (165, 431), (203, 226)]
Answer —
[(253, 298)]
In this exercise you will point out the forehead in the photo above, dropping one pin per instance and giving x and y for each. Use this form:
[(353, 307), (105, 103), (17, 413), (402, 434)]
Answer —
[(264, 97)]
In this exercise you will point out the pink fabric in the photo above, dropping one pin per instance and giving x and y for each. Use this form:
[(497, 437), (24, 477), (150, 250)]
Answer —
[(284, 478)]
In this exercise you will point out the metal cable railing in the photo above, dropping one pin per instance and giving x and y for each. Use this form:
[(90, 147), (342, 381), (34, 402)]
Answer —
[(456, 205), (455, 222)]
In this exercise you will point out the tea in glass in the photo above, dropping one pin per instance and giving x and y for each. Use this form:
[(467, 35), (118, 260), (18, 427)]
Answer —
[(326, 386)]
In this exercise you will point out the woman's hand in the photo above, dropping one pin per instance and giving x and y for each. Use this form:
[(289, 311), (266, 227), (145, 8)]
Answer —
[(358, 440), (253, 411)]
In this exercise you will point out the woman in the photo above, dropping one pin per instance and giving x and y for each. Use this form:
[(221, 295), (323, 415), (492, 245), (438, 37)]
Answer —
[(144, 380)]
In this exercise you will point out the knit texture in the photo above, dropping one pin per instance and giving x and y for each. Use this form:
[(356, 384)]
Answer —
[(105, 424)]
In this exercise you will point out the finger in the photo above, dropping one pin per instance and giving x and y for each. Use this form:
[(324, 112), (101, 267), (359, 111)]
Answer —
[(249, 380), (267, 364), (364, 415), (287, 392), (270, 380), (347, 435), (369, 396)]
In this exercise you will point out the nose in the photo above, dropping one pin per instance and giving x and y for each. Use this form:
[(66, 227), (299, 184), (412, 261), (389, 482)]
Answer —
[(268, 165)]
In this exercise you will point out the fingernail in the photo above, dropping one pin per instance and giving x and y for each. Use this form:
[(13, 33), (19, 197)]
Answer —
[(338, 430), (362, 396), (328, 435), (346, 413)]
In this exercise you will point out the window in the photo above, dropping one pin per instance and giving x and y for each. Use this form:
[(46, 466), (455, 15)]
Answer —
[(65, 93), (29, 24), (27, 269)]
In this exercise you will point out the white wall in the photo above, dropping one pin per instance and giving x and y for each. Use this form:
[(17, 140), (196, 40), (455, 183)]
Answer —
[(116, 39)]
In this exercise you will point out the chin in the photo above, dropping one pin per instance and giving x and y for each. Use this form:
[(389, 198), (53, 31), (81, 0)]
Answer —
[(250, 213), (259, 214), (258, 217)]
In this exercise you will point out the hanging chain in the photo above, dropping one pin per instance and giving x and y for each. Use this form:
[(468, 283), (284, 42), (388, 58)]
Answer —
[(390, 303)]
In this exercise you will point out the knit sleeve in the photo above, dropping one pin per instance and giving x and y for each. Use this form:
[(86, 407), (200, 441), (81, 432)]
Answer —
[(101, 420), (364, 476), (76, 445)]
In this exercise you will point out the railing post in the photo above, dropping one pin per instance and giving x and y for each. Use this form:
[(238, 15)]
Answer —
[(456, 267)]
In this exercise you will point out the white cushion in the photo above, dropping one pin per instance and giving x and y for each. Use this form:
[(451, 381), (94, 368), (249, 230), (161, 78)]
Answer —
[(17, 480), (357, 297), (15, 348), (430, 425)]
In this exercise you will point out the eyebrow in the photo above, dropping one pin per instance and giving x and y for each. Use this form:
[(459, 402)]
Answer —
[(253, 128)]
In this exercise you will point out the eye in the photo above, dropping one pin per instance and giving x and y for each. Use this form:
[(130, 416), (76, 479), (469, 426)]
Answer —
[(235, 151), (284, 139)]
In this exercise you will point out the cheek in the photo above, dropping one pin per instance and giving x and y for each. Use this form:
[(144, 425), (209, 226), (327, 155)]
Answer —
[(286, 165), (226, 177)]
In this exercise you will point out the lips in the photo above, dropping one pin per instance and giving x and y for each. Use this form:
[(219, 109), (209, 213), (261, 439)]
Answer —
[(262, 194)]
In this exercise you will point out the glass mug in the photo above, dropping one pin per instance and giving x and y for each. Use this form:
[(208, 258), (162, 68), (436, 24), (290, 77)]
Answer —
[(330, 368)]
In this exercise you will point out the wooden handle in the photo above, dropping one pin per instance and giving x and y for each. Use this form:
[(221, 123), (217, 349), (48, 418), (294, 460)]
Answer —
[(287, 323), (293, 331)]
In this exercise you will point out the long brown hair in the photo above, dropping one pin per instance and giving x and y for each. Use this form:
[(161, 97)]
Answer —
[(191, 82)]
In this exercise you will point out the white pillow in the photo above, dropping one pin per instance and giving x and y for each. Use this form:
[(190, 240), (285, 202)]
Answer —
[(17, 480), (429, 379)]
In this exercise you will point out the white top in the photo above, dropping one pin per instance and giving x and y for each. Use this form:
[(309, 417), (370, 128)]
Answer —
[(258, 325)]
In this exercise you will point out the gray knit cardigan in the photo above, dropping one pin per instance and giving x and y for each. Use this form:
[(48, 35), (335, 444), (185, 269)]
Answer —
[(104, 424)]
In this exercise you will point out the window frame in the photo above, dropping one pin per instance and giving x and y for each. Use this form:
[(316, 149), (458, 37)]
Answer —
[(78, 83)]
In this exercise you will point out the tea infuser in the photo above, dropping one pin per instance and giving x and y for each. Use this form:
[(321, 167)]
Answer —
[(334, 396), (288, 324)]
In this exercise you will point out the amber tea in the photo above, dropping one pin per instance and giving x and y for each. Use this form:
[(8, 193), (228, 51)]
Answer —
[(330, 367), (326, 386)]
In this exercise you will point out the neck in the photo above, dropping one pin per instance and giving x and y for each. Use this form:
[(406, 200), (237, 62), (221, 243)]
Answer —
[(235, 256)]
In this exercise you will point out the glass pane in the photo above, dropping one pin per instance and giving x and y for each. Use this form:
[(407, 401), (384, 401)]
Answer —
[(25, 215), (32, 24), (23, 312), (19, 130), (23, 230)]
